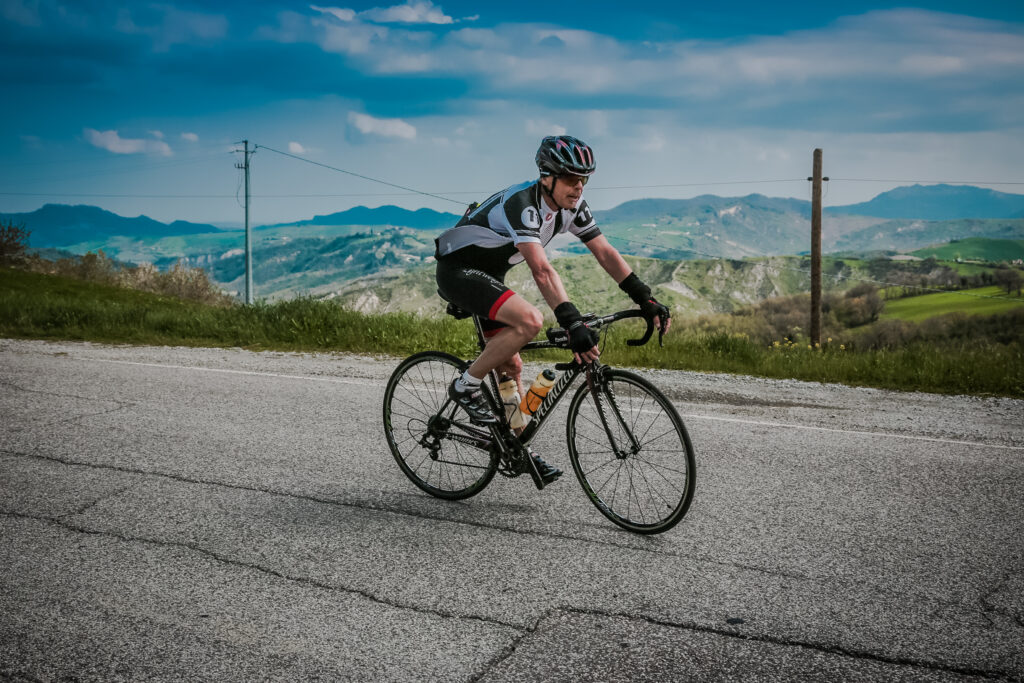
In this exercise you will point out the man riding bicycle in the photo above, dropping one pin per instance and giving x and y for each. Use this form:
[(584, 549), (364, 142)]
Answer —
[(512, 226)]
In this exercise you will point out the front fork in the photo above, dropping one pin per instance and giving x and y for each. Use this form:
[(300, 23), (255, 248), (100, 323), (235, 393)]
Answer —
[(605, 402)]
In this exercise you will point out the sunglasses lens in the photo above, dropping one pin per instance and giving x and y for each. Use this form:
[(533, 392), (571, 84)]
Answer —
[(571, 180)]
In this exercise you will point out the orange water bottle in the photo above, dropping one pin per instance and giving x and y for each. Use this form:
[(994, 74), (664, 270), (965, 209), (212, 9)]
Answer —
[(536, 393)]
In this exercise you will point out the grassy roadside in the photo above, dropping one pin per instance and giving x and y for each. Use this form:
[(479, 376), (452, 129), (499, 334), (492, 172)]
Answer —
[(49, 307)]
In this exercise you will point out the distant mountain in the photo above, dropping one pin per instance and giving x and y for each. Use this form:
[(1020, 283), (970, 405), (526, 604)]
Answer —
[(421, 219), (641, 209), (58, 225), (938, 202)]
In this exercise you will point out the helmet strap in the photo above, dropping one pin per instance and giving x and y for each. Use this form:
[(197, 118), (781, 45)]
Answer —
[(551, 192)]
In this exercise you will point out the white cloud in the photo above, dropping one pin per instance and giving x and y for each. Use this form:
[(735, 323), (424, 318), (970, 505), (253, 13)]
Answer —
[(353, 38), (544, 128), (336, 12), (388, 128), (415, 12), (157, 134), (296, 148), (111, 141), (190, 137)]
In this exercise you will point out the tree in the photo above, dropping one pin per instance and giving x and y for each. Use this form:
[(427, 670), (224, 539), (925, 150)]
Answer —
[(13, 241), (1008, 279)]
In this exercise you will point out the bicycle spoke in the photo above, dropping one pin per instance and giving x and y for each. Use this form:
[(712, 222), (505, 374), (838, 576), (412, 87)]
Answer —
[(647, 491), (416, 396), (652, 493)]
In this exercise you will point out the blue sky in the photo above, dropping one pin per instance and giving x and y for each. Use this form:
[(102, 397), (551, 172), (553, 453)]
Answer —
[(135, 107)]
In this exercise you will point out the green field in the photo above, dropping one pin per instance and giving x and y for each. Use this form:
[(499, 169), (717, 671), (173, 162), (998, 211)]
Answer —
[(983, 301), (975, 249)]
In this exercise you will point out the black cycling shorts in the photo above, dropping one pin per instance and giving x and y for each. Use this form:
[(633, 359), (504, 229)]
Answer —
[(473, 290)]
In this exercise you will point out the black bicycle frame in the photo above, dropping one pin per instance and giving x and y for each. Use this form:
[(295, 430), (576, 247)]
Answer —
[(570, 372)]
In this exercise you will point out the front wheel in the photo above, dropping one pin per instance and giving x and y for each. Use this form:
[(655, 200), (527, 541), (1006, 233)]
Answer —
[(636, 464), (431, 438)]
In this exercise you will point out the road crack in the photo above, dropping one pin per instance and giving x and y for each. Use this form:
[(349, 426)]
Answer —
[(825, 648), (118, 405), (88, 506), (490, 527), (301, 580), (633, 547)]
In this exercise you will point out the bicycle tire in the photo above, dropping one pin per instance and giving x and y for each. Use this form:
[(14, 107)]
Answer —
[(415, 392), (646, 491)]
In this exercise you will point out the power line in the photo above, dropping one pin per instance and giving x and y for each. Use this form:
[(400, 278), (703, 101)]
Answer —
[(133, 196), (722, 182), (359, 175), (129, 168), (936, 182)]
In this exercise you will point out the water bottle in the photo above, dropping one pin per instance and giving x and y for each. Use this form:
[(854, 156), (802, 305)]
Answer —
[(535, 394), (509, 391)]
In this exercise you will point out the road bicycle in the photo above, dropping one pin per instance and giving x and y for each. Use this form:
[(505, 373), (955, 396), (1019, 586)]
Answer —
[(627, 444)]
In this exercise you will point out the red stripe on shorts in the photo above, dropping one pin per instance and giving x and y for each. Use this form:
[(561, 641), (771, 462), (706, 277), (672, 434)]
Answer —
[(497, 304)]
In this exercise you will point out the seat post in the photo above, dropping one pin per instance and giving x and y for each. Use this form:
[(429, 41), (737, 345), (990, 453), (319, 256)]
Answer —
[(481, 340)]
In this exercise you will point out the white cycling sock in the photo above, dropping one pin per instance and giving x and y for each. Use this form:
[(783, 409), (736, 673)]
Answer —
[(467, 382)]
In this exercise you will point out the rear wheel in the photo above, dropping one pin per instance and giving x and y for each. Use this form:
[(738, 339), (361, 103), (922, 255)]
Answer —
[(430, 437), (636, 465)]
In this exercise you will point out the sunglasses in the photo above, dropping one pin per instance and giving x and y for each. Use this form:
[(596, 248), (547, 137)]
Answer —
[(571, 180)]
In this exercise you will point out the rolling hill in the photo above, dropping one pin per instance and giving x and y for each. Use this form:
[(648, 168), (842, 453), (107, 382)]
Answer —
[(321, 254), (975, 249)]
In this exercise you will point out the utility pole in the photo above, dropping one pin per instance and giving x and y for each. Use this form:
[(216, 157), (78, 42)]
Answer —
[(816, 249), (248, 236)]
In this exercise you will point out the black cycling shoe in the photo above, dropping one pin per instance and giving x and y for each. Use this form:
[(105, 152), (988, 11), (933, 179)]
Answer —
[(548, 473), (474, 403)]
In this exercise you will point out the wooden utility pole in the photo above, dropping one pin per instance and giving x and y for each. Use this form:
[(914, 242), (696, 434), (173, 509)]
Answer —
[(816, 250), (248, 237)]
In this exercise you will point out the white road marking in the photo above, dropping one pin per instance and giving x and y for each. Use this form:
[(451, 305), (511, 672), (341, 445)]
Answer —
[(773, 425), (334, 380), (782, 425)]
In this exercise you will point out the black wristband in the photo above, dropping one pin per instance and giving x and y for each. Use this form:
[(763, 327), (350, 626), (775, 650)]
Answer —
[(566, 314), (635, 288)]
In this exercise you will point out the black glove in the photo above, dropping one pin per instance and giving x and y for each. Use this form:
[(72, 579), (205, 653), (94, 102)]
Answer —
[(642, 297), (581, 337)]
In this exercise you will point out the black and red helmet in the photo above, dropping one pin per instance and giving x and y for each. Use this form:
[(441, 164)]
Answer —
[(565, 155)]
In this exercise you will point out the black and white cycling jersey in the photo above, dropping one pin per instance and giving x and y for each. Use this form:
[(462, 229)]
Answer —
[(515, 215)]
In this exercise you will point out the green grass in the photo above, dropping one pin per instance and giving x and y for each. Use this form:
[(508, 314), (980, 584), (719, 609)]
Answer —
[(47, 307), (975, 249), (982, 301)]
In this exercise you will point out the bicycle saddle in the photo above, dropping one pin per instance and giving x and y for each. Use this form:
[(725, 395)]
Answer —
[(453, 310)]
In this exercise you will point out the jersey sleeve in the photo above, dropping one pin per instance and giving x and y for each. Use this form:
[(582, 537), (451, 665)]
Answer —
[(583, 225), (521, 217)]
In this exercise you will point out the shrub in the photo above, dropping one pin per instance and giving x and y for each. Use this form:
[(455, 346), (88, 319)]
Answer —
[(179, 281), (857, 306), (13, 242)]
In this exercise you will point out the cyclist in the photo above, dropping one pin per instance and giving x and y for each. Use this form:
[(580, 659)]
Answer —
[(512, 226)]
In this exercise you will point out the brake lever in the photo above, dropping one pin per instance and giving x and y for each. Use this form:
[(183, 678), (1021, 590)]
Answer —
[(662, 325)]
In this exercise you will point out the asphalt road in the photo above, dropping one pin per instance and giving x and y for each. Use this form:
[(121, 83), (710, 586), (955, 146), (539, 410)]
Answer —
[(222, 514)]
